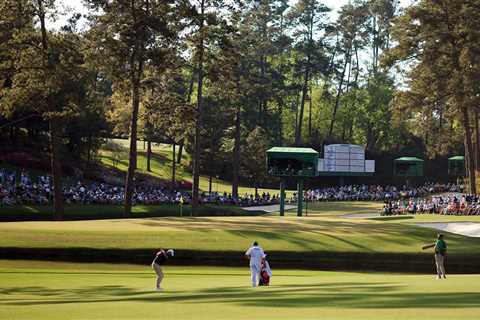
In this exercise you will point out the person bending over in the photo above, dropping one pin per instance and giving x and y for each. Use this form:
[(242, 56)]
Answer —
[(160, 259)]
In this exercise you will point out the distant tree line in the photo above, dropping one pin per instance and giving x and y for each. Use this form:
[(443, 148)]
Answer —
[(224, 80)]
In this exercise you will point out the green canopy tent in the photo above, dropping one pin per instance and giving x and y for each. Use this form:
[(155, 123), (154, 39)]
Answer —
[(408, 167), (456, 166), (289, 161), (292, 162)]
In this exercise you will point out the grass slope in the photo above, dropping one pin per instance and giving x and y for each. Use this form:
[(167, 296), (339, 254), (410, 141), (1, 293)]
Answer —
[(161, 165), (39, 290), (322, 230)]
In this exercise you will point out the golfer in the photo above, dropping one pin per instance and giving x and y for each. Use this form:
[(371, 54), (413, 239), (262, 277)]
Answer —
[(160, 258), (440, 251), (255, 255)]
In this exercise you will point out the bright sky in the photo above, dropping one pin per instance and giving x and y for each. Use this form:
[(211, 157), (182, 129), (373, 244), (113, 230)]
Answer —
[(77, 6)]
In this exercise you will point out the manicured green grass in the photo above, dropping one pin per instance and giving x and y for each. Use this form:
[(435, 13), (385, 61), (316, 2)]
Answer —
[(231, 233), (324, 229), (339, 208), (50, 291)]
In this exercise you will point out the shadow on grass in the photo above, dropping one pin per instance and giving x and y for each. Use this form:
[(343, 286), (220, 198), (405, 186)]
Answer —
[(342, 295), (392, 218), (99, 211)]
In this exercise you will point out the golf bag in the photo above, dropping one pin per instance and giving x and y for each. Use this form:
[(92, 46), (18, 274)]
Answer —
[(265, 274)]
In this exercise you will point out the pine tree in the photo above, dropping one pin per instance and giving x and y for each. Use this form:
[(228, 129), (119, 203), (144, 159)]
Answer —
[(127, 35)]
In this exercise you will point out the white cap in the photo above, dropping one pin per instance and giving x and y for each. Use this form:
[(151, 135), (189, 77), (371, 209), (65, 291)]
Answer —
[(171, 252)]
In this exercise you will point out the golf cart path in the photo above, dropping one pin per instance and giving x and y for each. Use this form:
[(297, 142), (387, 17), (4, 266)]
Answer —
[(269, 209), (469, 229)]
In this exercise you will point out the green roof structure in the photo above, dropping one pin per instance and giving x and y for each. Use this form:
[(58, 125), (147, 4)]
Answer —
[(408, 159), (292, 150), (293, 162), (408, 167), (456, 166), (457, 158)]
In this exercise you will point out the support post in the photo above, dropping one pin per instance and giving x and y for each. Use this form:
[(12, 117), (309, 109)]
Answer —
[(300, 197), (282, 198)]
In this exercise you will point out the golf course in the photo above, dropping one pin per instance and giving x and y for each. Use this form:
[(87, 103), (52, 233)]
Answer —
[(239, 160), (390, 277), (325, 228), (48, 290)]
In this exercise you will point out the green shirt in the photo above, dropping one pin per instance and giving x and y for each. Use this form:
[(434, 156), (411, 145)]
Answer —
[(440, 246)]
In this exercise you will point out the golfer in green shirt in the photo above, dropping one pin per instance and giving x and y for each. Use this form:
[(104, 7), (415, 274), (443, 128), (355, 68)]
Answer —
[(440, 251)]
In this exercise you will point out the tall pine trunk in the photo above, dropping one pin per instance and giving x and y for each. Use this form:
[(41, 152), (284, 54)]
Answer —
[(462, 107), (198, 120), (469, 152), (477, 145), (310, 116), (236, 152), (149, 155), (298, 133), (187, 100), (339, 93), (180, 151), (136, 62), (56, 167), (174, 165)]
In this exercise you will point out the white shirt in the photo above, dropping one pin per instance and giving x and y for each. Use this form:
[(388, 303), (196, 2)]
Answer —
[(256, 254)]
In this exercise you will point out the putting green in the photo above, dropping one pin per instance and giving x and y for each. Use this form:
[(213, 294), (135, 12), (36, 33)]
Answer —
[(230, 233), (324, 229), (46, 290)]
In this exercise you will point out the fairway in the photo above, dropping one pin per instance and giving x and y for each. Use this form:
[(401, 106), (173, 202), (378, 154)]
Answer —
[(51, 291)]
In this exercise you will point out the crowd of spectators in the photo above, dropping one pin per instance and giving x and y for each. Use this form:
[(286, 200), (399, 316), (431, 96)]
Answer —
[(449, 204), (377, 192), (18, 189), (24, 189)]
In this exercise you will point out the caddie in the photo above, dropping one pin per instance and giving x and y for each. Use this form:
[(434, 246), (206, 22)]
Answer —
[(255, 255)]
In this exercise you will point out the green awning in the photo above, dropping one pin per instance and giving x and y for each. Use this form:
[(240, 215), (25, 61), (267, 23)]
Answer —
[(457, 158), (408, 159), (291, 150)]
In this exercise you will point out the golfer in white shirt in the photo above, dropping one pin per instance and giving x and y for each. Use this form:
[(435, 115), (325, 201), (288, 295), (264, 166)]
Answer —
[(255, 254)]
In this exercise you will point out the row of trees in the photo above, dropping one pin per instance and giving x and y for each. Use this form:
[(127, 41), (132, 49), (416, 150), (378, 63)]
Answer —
[(438, 46), (226, 79)]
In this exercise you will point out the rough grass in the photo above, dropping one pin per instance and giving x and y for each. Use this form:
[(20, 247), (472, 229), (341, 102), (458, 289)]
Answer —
[(50, 291)]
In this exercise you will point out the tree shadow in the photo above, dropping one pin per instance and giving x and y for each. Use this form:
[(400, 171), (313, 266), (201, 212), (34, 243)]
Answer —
[(328, 294)]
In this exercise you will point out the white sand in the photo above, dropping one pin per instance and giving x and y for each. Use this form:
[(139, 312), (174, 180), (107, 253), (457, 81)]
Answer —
[(469, 229)]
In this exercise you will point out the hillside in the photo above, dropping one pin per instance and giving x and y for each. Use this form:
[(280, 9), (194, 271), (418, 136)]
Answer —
[(161, 165)]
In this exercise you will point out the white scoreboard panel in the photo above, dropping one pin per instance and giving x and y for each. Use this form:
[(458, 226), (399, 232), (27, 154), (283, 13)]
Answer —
[(346, 158)]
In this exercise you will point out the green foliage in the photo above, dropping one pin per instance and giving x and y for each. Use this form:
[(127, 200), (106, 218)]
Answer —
[(280, 66), (254, 162)]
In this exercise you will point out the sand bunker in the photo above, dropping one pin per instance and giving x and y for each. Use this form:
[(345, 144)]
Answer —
[(469, 229)]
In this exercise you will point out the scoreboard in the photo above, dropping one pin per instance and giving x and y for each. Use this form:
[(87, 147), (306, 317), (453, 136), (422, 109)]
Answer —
[(348, 159)]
